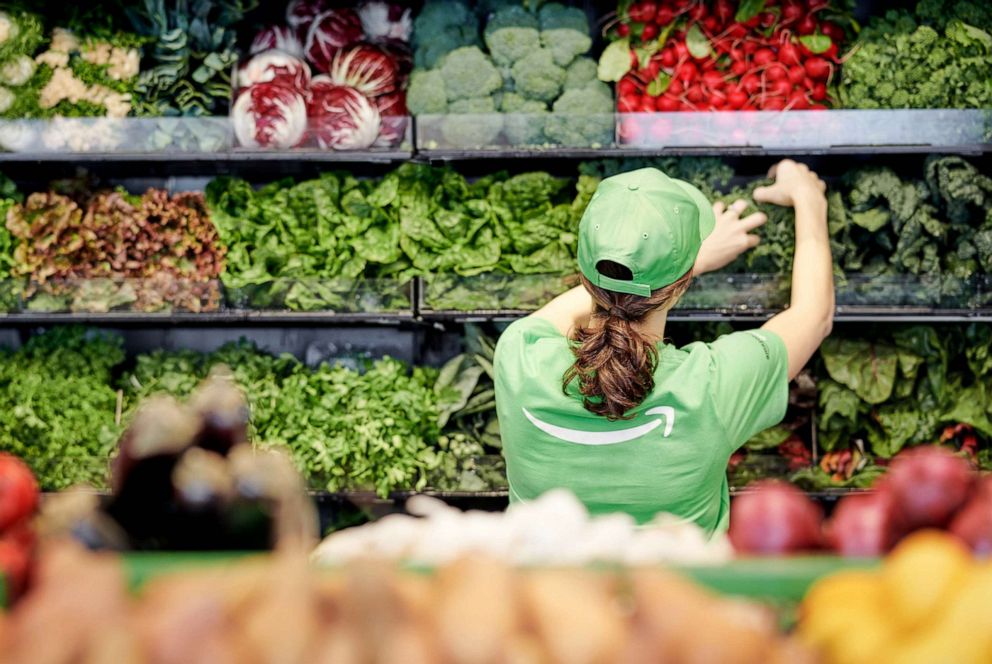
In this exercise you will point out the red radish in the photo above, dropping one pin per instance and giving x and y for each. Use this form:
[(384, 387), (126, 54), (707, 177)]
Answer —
[(832, 30), (629, 103), (751, 22), (817, 68), (675, 87), (738, 68), (788, 54), (797, 101), (973, 524), (748, 107), (766, 19), (815, 5), (713, 79), (751, 83), (737, 32), (777, 518), (649, 32), (797, 75), (664, 16), (819, 92), (709, 64), (831, 52), (763, 56), (791, 11), (651, 71), (698, 12), (634, 62), (817, 107), (807, 25), (681, 50), (687, 72), (736, 98), (776, 72), (750, 46), (668, 58), (928, 485), (711, 24), (781, 87), (774, 104), (643, 12), (666, 104), (718, 98), (626, 86), (623, 29), (694, 94), (723, 10), (647, 105), (630, 130), (861, 525)]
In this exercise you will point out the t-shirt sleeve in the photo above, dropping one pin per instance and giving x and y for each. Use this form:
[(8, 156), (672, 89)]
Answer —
[(750, 385)]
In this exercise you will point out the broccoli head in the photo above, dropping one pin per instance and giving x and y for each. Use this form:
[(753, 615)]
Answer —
[(439, 16), (429, 53), (472, 123), (525, 119), (425, 94), (564, 31), (582, 117), (580, 73), (511, 34), (536, 76), (469, 74)]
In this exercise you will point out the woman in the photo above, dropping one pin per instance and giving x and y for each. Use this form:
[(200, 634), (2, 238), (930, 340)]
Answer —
[(589, 396)]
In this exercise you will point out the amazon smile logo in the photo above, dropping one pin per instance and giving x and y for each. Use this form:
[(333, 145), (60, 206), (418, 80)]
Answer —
[(580, 437)]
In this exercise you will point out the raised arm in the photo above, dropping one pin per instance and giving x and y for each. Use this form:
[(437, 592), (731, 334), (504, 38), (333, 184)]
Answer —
[(809, 318)]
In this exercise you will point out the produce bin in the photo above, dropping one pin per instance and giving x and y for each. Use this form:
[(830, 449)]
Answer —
[(161, 294), (502, 131), (121, 136), (367, 296)]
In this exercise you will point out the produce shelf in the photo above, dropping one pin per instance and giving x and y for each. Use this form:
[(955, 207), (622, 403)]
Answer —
[(231, 317)]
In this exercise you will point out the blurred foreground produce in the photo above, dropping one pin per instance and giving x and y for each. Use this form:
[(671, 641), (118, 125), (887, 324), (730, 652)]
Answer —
[(553, 530), (473, 610), (927, 487), (928, 603), (185, 477), (18, 502)]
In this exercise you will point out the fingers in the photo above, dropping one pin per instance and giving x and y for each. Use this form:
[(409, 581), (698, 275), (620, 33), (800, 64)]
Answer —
[(822, 185), (719, 208), (762, 194), (752, 221), (752, 241), (738, 206)]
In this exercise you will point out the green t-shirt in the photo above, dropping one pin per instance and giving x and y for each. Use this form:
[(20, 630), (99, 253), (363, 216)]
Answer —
[(708, 400)]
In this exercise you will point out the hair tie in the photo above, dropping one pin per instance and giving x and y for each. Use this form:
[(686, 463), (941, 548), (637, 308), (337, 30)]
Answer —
[(617, 312)]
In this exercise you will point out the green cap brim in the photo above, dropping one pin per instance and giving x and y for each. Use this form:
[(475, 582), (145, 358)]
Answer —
[(707, 219)]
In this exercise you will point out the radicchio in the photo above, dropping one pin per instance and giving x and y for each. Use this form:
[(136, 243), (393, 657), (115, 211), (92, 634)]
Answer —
[(329, 33), (277, 37), (301, 13), (341, 118), (403, 57), (269, 115), (385, 20), (394, 118), (366, 68), (275, 67)]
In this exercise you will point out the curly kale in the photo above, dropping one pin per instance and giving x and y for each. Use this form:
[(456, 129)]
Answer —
[(511, 33)]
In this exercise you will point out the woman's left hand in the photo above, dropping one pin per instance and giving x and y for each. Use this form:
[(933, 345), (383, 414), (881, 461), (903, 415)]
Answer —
[(730, 238)]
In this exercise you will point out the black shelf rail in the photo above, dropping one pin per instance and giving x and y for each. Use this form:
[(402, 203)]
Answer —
[(208, 319)]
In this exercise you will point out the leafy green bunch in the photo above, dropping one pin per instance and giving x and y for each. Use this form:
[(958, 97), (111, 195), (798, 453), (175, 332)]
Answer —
[(939, 57), (895, 389), (532, 85), (58, 405), (9, 196), (187, 70)]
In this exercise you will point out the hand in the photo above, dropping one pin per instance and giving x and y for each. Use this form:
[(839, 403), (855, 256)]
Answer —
[(794, 183), (730, 237)]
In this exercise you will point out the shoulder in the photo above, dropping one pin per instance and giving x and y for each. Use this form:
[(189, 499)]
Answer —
[(526, 331), (746, 346)]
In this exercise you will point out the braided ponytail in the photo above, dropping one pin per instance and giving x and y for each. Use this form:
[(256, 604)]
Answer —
[(614, 361)]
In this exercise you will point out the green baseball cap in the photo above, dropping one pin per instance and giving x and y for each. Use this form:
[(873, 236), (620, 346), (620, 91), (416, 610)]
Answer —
[(648, 222)]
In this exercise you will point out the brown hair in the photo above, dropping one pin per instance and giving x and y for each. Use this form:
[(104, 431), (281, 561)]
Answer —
[(615, 362)]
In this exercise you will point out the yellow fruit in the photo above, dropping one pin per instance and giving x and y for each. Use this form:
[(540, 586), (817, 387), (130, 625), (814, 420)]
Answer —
[(837, 604), (866, 642), (920, 576)]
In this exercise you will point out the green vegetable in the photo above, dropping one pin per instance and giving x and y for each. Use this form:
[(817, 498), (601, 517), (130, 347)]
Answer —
[(565, 32), (582, 117), (469, 74), (441, 27), (580, 73), (511, 34), (537, 76), (472, 123), (426, 95)]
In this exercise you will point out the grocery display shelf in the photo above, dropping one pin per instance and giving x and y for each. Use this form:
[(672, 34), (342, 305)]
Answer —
[(227, 157), (207, 319)]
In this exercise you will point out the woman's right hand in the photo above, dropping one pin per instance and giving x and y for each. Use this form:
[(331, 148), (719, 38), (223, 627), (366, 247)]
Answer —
[(794, 184)]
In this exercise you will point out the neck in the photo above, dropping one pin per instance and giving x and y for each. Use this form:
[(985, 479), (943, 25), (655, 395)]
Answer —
[(653, 325)]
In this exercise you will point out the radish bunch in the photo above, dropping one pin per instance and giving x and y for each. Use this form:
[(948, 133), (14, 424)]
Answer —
[(689, 55)]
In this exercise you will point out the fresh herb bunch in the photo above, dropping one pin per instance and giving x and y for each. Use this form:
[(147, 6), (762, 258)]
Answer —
[(9, 196), (58, 405), (187, 69), (934, 59), (109, 250), (900, 388)]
